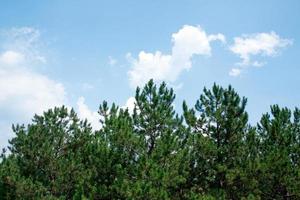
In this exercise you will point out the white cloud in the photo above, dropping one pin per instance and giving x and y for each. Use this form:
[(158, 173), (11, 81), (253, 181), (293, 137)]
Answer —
[(11, 57), (27, 92), (130, 103), (25, 41), (93, 117), (23, 91), (149, 65), (218, 36), (259, 44), (258, 64), (85, 113), (187, 42), (235, 72)]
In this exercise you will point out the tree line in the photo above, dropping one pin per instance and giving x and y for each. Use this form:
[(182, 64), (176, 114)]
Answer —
[(208, 152)]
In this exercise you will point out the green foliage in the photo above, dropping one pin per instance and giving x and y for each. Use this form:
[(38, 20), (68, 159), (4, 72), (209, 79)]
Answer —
[(218, 141), (209, 152), (280, 153)]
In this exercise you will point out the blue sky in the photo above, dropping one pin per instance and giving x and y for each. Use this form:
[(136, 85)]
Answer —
[(79, 53)]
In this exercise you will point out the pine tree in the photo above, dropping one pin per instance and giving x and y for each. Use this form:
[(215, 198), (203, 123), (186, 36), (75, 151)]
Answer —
[(220, 129), (44, 156), (161, 162), (153, 154), (280, 152), (113, 154)]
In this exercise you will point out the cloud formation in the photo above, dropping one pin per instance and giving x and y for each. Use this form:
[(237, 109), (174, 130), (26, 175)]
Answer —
[(23, 91), (26, 92), (26, 41), (84, 112), (130, 103), (11, 58), (259, 44), (187, 42), (235, 72)]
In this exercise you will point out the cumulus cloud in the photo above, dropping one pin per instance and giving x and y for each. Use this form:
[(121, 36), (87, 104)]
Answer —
[(130, 103), (259, 44), (187, 42), (93, 117), (218, 36), (21, 88), (150, 65), (11, 57), (27, 92), (23, 91), (84, 112)]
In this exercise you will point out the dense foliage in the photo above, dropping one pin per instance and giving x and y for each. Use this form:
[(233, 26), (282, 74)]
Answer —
[(208, 152)]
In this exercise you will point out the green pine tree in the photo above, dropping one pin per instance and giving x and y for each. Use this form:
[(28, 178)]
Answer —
[(219, 125)]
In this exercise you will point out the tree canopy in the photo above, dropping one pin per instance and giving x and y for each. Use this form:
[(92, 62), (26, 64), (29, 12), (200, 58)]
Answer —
[(210, 151)]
